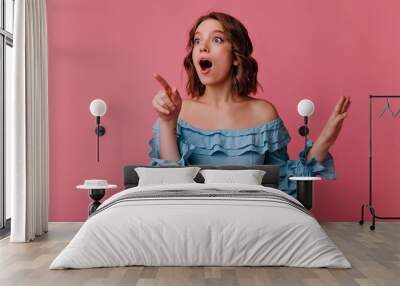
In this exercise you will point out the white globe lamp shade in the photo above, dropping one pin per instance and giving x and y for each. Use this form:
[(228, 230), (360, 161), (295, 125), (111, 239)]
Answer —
[(305, 107), (98, 107)]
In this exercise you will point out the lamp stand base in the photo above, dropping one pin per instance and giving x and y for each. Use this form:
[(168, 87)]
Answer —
[(305, 193), (96, 195)]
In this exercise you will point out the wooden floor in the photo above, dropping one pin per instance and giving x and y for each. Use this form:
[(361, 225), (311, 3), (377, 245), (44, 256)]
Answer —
[(375, 256)]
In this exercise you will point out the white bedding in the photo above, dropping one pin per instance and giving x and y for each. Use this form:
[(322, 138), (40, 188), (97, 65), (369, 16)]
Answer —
[(226, 231)]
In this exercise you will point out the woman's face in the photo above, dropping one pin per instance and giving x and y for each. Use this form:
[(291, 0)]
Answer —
[(212, 53)]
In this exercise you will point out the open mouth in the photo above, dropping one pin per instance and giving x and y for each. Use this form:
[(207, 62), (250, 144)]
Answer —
[(205, 64)]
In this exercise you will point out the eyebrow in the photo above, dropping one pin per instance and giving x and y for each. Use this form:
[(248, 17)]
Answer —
[(215, 31)]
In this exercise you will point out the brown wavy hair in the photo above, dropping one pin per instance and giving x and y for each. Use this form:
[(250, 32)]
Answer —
[(244, 75)]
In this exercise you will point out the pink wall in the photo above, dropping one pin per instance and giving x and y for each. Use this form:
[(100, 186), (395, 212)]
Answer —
[(305, 49)]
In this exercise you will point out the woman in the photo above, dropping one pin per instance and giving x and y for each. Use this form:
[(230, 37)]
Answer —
[(221, 123)]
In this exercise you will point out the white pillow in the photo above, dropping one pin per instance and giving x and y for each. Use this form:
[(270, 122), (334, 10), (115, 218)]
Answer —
[(162, 176), (248, 177)]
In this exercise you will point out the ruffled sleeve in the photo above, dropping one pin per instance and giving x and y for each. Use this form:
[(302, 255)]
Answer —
[(185, 149), (292, 168)]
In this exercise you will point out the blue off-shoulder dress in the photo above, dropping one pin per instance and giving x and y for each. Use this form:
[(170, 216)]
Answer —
[(262, 144)]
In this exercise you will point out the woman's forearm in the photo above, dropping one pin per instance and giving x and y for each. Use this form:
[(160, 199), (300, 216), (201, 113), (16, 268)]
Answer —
[(168, 145), (330, 132), (319, 150)]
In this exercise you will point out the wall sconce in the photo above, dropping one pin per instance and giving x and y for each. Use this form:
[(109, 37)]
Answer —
[(98, 108), (305, 108)]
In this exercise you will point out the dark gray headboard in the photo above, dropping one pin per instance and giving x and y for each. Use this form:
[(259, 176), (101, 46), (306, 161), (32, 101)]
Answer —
[(271, 177)]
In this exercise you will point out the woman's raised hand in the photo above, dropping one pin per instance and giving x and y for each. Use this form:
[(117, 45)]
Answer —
[(331, 130), (334, 124), (167, 102)]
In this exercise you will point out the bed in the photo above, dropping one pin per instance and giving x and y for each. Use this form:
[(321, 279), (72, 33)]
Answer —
[(197, 224)]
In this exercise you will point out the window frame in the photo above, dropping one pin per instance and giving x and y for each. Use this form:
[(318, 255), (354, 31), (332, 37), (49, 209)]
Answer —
[(6, 39)]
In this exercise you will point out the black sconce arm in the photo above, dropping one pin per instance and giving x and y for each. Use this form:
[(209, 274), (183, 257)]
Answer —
[(100, 131)]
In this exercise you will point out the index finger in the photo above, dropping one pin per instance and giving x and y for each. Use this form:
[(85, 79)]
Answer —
[(163, 83)]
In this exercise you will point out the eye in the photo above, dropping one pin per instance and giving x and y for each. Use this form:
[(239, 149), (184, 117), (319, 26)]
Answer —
[(196, 41), (218, 40)]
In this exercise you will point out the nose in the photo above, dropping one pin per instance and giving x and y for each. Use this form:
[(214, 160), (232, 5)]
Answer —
[(203, 49)]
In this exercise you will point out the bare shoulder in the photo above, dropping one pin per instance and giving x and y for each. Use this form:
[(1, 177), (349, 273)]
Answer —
[(187, 108), (263, 109), (186, 103)]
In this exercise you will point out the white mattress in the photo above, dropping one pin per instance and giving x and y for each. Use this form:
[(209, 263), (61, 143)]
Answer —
[(200, 231)]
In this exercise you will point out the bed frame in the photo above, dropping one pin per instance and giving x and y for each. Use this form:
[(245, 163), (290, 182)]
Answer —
[(270, 179)]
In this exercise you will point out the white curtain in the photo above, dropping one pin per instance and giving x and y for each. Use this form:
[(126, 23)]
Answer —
[(27, 124)]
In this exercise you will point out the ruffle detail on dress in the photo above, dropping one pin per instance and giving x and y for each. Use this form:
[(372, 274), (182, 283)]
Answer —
[(312, 168), (184, 149), (269, 136)]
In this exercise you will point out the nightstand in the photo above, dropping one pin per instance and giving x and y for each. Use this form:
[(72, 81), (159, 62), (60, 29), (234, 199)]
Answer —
[(305, 190), (97, 189)]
